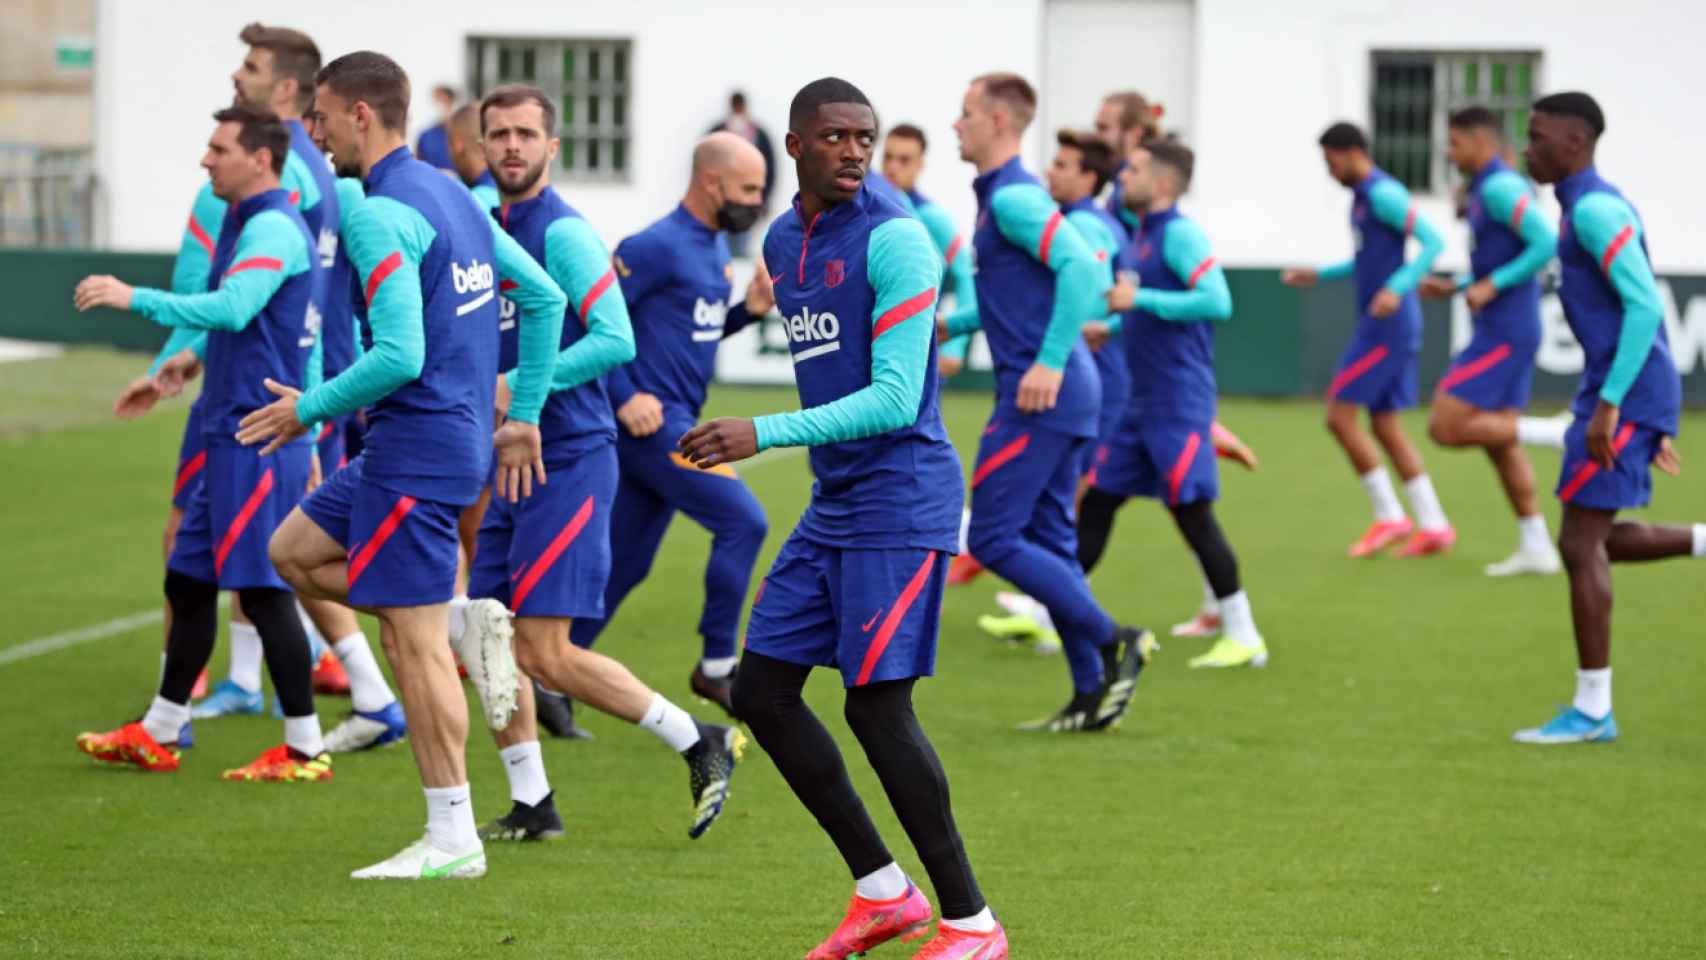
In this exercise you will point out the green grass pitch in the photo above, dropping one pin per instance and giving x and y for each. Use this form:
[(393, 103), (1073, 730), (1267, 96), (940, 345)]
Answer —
[(1358, 798)]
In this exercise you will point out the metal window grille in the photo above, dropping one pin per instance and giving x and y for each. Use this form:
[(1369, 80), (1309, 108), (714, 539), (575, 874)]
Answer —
[(1416, 92), (590, 80)]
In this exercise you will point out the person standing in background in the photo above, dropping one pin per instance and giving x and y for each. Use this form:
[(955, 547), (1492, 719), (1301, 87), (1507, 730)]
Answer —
[(740, 123), (433, 147)]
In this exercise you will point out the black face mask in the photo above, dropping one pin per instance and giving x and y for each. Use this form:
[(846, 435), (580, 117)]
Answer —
[(737, 217)]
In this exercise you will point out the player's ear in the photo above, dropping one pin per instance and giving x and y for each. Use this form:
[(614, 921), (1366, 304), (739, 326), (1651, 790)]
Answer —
[(794, 145), (551, 148)]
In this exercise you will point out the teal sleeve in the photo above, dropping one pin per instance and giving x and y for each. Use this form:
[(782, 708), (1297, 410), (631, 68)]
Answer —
[(1030, 220), (964, 320), (1207, 297), (195, 250), (181, 339), (487, 196), (298, 181), (541, 303), (269, 250), (1392, 207), (1104, 246), (955, 347), (385, 240), (1608, 228), (350, 196), (579, 263), (903, 268), (956, 258), (1337, 271), (1507, 199)]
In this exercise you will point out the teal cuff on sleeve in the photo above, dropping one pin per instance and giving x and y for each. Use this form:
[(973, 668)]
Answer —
[(1337, 271)]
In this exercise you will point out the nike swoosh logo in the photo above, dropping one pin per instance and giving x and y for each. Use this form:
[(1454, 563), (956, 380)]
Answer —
[(978, 952), (429, 872), (457, 802), (516, 761), (870, 923), (871, 622), (778, 278)]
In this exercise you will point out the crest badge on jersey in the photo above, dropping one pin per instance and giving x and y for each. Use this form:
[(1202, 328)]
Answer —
[(834, 272)]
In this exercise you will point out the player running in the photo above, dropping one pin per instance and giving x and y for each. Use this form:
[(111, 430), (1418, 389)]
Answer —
[(1479, 402), (903, 163), (547, 557), (858, 585), (1039, 284), (1626, 410), (1378, 371), (1123, 121), (256, 313), (675, 279), (380, 534)]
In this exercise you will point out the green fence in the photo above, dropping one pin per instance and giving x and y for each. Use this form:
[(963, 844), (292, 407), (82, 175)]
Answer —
[(1280, 342)]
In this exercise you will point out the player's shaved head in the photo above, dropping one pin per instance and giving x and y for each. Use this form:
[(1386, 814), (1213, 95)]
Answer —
[(465, 121), (820, 93), (722, 151)]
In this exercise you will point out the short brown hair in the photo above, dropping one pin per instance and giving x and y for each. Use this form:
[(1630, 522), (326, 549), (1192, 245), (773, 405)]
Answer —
[(516, 94), (1013, 92), (1094, 154), (1175, 156), (258, 129), (294, 55), (373, 79), (1135, 111)]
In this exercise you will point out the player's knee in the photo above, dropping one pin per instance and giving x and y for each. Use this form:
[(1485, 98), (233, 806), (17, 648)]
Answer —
[(990, 545), (185, 592), (753, 701), (878, 708), (267, 605), (1443, 430)]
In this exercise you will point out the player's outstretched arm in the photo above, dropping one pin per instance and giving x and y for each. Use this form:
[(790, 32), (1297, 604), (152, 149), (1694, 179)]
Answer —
[(1607, 228), (1393, 207), (269, 250), (1508, 200), (1206, 297), (903, 270)]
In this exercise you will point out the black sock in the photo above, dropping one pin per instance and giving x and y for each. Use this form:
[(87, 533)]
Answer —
[(1202, 531), (285, 645), (1095, 525), (882, 718), (767, 699), (195, 625)]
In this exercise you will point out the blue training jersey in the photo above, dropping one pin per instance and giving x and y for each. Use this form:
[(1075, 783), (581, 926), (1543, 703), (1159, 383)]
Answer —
[(1511, 245), (1169, 334), (857, 273), (1382, 219), (1106, 237), (676, 278)]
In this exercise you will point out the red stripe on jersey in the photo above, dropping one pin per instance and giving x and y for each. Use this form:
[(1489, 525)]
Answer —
[(553, 550), (902, 312), (1516, 215), (1615, 247), (597, 291), (234, 532), (1202, 268), (386, 267), (256, 263), (891, 623), (953, 251), (201, 236), (1048, 237)]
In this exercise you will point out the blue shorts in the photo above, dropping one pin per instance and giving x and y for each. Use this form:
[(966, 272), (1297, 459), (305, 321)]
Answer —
[(1375, 374), (1492, 373), (334, 452), (549, 555), (192, 459), (1584, 483), (231, 518), (872, 614), (1167, 460), (402, 551), (1026, 482)]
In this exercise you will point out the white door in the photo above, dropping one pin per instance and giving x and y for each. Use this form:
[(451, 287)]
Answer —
[(1092, 48)]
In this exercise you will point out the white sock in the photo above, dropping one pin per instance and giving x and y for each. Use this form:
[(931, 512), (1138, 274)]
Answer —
[(885, 884), (1593, 692), (1210, 602), (458, 616), (670, 723), (1381, 494), (1542, 431), (450, 818), (1533, 535), (1237, 622), (246, 656), (302, 734), (1425, 503), (1699, 551), (368, 690), (1040, 615), (965, 530), (525, 766), (717, 667), (165, 719), (981, 922)]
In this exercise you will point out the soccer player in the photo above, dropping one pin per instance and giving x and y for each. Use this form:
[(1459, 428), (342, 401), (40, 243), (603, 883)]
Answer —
[(903, 162), (1162, 449), (1479, 402), (1039, 284), (1625, 411), (858, 585), (1378, 371), (675, 279), (256, 313), (380, 534), (468, 155), (1123, 121), (547, 557)]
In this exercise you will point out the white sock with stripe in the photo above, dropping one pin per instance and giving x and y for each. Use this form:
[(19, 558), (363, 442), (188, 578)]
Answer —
[(246, 656), (450, 818), (1425, 502), (1382, 495), (670, 723), (525, 767)]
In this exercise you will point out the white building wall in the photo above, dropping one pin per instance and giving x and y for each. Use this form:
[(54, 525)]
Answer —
[(1268, 78)]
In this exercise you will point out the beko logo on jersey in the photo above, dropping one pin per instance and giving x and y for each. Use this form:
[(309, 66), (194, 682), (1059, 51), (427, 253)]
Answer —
[(709, 317), (476, 277), (821, 329)]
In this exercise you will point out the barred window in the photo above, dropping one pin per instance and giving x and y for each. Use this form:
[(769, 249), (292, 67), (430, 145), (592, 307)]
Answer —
[(1416, 92), (589, 78)]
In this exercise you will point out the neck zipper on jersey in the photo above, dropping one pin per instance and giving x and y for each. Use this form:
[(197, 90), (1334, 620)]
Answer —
[(805, 243)]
